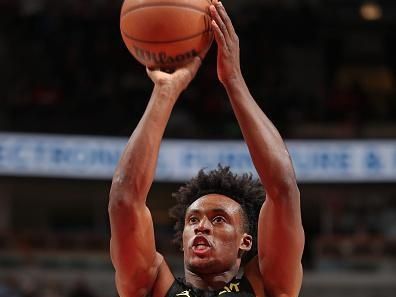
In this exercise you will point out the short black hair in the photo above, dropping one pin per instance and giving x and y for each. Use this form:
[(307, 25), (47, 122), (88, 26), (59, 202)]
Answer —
[(244, 189)]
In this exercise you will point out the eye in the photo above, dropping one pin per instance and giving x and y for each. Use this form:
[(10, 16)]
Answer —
[(193, 220), (218, 220)]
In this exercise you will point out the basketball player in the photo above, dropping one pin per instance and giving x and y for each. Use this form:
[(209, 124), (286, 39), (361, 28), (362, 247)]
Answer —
[(217, 208)]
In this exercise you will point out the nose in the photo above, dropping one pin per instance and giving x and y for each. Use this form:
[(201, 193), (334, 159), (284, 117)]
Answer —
[(204, 227)]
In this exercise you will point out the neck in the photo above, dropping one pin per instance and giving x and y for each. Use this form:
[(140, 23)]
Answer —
[(211, 281)]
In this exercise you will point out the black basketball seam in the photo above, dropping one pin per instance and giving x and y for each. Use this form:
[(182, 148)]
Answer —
[(165, 42), (162, 4)]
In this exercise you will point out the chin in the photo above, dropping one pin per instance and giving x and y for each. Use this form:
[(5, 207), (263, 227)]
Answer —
[(204, 266)]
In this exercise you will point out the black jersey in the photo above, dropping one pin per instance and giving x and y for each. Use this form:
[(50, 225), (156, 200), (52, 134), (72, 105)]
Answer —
[(237, 287)]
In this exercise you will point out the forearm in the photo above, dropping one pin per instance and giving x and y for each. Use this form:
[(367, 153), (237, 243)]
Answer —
[(266, 146), (136, 168)]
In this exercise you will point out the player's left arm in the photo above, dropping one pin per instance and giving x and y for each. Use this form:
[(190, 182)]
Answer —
[(280, 231)]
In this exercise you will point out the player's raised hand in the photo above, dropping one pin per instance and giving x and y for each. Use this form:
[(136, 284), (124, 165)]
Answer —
[(228, 61), (177, 80)]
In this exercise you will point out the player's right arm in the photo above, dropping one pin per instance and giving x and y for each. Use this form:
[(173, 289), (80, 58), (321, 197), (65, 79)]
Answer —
[(140, 270)]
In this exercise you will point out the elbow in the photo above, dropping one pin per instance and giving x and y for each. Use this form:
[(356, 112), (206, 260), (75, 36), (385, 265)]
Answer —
[(284, 189), (289, 188), (118, 203), (120, 195), (126, 193), (279, 178), (131, 185)]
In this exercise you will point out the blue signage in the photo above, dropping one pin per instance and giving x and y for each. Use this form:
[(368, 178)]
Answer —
[(179, 160)]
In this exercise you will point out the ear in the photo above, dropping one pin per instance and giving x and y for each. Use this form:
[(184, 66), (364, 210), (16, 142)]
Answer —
[(246, 242)]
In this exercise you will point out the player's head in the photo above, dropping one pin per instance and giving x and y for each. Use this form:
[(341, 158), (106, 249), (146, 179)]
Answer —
[(219, 209)]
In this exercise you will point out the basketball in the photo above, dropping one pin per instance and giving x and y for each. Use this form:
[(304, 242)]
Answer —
[(166, 33)]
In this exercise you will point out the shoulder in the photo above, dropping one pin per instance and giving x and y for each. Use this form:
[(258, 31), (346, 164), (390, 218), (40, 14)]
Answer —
[(253, 277), (164, 281), (178, 288), (261, 289)]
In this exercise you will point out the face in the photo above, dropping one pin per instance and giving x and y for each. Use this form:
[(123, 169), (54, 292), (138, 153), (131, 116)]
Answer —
[(213, 235)]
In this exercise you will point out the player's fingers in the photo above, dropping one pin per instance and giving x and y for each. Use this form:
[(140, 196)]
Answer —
[(224, 17), (190, 70), (219, 22), (220, 40), (155, 74), (150, 73), (195, 64)]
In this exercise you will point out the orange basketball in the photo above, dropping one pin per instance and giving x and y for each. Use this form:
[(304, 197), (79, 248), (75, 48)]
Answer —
[(166, 33)]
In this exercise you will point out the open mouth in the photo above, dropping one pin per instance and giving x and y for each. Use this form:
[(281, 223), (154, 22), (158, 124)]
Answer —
[(200, 245), (200, 241)]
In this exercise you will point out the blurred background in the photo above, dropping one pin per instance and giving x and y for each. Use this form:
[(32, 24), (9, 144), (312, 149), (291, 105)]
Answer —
[(320, 69)]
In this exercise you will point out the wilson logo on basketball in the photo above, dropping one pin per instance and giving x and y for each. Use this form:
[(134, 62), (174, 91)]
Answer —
[(167, 33), (162, 58)]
